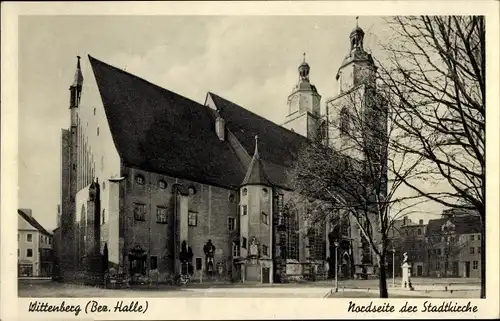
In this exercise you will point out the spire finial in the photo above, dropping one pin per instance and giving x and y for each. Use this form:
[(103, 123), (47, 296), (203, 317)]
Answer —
[(304, 54), (256, 152), (78, 62), (357, 18)]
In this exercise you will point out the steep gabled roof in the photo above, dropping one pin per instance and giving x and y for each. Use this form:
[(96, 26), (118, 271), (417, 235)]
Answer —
[(160, 131), (33, 222), (463, 225), (278, 147)]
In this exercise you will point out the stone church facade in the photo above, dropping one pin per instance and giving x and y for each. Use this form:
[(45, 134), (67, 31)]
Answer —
[(156, 185)]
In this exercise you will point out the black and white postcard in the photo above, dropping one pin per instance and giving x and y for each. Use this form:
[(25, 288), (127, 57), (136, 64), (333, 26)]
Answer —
[(178, 160)]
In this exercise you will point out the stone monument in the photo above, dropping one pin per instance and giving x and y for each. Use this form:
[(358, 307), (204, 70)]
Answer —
[(406, 273)]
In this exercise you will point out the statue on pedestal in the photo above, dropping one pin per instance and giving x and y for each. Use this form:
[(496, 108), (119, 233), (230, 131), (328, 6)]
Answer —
[(405, 267), (209, 250), (254, 247)]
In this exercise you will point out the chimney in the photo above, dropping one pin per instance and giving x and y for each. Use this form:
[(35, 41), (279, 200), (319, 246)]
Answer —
[(220, 127)]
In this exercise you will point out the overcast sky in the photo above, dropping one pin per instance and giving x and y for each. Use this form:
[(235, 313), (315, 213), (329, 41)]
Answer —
[(250, 60)]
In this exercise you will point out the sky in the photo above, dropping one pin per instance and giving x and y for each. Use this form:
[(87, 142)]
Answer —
[(251, 60)]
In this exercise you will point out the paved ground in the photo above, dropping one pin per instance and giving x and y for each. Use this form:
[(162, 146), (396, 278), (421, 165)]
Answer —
[(435, 288)]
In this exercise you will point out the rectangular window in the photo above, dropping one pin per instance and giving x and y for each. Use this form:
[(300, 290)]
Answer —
[(471, 250), (265, 250), (479, 237), (236, 249), (29, 253), (29, 237), (139, 212), (154, 262), (479, 250), (244, 210), (161, 215), (244, 242), (193, 219), (264, 218), (472, 237), (475, 265), (231, 223), (103, 216), (199, 264), (439, 251), (419, 232)]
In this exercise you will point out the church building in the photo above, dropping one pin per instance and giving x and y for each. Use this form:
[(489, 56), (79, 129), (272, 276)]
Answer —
[(156, 185)]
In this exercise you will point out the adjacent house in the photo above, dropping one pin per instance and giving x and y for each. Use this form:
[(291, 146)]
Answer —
[(34, 252)]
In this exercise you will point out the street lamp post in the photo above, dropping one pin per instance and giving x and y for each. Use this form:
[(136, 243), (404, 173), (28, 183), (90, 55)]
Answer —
[(336, 267), (393, 267)]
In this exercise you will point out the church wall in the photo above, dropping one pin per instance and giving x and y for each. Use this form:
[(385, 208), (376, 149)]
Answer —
[(211, 205), (353, 101), (214, 206), (297, 124), (99, 160)]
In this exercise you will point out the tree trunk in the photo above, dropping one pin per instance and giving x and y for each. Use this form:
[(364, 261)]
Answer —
[(382, 277), (483, 258)]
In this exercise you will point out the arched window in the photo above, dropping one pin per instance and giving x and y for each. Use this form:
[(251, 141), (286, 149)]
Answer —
[(291, 238), (344, 122)]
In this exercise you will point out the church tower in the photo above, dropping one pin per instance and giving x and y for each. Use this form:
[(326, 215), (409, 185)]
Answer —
[(256, 223), (303, 105), (357, 125), (347, 111), (69, 158)]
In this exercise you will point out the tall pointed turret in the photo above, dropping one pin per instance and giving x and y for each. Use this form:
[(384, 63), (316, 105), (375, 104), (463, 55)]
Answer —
[(255, 173), (256, 221), (76, 87)]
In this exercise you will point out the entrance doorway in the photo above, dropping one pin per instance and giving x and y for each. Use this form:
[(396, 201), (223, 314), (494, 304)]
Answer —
[(467, 269), (419, 270), (455, 268), (265, 275)]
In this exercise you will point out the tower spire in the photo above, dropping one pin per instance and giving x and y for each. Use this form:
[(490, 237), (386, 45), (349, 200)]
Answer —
[(256, 151), (304, 60), (78, 79), (76, 87), (357, 18)]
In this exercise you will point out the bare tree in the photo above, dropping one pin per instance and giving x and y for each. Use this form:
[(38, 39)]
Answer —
[(445, 246), (436, 74), (350, 169)]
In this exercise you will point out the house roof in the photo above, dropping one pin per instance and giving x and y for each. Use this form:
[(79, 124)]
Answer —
[(157, 130), (278, 147), (33, 222), (463, 225)]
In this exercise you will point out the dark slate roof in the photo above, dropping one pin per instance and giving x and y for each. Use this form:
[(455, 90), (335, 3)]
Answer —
[(463, 224), (255, 173), (160, 131), (278, 147), (33, 222)]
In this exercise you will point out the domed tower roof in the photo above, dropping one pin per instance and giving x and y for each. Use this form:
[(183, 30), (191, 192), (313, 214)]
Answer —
[(304, 69)]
